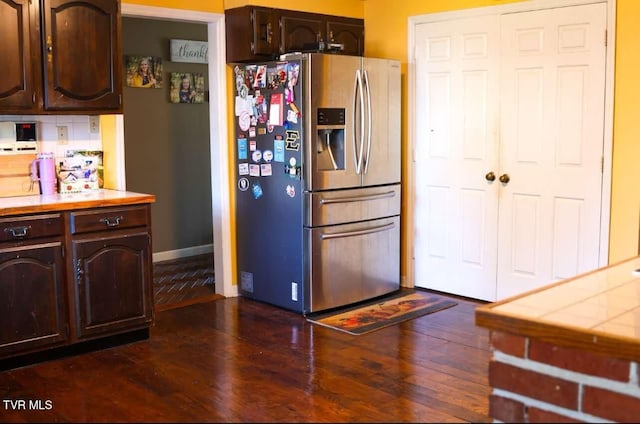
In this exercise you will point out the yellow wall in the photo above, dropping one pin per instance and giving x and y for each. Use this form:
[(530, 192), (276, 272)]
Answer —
[(208, 6), (386, 26), (350, 8), (625, 193), (386, 36)]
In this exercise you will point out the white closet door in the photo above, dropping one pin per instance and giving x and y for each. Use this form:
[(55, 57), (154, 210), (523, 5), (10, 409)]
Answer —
[(456, 144), (552, 114)]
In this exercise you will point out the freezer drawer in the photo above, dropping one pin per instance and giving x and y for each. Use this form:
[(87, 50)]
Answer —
[(352, 262), (351, 205)]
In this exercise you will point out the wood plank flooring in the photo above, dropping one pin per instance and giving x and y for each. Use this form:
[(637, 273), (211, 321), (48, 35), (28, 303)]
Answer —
[(238, 360)]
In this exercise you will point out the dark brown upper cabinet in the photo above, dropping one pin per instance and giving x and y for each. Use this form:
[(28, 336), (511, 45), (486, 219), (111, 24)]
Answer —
[(347, 32), (251, 33), (301, 32), (63, 56), (259, 33), (18, 83)]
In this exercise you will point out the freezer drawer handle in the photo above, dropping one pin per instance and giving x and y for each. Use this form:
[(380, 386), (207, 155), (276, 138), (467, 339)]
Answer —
[(358, 198), (372, 230)]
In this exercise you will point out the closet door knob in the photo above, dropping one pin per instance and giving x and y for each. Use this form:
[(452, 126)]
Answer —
[(504, 178), (490, 176)]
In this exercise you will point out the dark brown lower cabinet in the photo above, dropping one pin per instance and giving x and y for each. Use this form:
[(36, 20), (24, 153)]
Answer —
[(112, 275), (33, 313), (74, 276)]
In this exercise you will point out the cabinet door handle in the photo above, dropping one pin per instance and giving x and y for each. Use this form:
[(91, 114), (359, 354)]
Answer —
[(49, 49), (113, 221), (18, 232), (79, 271)]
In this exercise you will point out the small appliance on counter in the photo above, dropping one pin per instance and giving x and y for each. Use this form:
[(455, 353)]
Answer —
[(17, 138), (43, 170)]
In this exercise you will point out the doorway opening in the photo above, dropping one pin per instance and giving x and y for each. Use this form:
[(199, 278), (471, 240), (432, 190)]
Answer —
[(219, 175)]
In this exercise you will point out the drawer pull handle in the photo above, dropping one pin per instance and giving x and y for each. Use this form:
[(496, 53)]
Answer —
[(113, 221), (18, 232)]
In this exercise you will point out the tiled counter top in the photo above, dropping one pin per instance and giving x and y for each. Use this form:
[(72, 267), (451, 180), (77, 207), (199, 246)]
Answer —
[(568, 351), (598, 311), (58, 202)]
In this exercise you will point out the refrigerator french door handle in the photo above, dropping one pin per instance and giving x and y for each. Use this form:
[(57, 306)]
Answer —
[(358, 100), (369, 120), (357, 198), (372, 230)]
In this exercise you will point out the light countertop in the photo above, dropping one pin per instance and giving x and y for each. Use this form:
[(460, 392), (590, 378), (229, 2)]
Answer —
[(19, 205), (597, 311)]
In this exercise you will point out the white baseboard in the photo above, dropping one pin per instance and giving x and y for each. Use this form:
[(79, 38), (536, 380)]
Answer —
[(182, 253)]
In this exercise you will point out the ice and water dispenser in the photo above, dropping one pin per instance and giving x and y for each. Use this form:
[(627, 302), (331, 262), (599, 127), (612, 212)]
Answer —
[(330, 138)]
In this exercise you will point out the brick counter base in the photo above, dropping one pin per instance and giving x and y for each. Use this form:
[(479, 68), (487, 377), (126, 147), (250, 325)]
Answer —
[(535, 381)]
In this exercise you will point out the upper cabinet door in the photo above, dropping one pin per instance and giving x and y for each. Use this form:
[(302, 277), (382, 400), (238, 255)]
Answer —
[(264, 28), (347, 32), (17, 85), (81, 52), (300, 31)]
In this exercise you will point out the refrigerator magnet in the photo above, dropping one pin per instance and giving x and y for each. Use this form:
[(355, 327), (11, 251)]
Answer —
[(244, 120), (292, 116), (243, 184), (262, 130), (291, 191), (252, 131), (288, 95), (257, 191), (275, 109), (267, 156), (261, 77), (256, 156), (243, 169), (278, 150), (254, 170), (292, 140), (252, 145), (292, 171), (265, 170), (292, 74), (242, 148)]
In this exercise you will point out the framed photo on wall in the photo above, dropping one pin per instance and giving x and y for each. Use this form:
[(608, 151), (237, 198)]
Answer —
[(144, 71), (187, 87)]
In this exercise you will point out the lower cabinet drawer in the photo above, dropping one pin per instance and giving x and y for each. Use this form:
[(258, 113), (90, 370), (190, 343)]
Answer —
[(108, 219)]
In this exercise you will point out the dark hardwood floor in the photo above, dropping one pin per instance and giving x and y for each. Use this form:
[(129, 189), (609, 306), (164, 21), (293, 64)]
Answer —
[(237, 360)]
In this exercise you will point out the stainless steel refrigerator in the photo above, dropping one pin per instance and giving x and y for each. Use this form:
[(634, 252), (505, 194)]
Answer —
[(318, 180)]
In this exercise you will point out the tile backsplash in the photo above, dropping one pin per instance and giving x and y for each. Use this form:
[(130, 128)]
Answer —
[(14, 169), (47, 131)]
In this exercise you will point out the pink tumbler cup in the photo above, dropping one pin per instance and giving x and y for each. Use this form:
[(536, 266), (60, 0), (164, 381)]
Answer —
[(43, 169)]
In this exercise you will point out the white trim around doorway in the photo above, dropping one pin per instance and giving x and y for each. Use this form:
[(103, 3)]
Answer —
[(220, 195), (531, 5)]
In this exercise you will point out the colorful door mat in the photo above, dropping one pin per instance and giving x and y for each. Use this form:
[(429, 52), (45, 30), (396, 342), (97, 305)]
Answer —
[(383, 312)]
